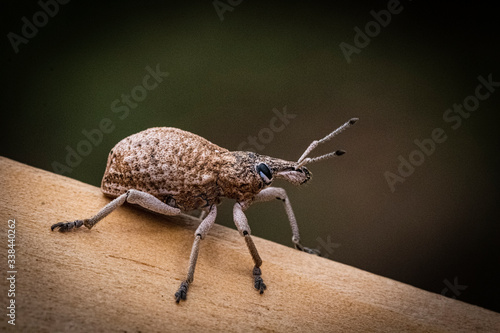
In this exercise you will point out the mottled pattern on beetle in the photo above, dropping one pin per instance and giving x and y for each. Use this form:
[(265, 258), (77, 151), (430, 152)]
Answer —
[(177, 167)]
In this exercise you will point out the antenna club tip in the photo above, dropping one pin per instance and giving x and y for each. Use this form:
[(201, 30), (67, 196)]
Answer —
[(340, 152), (353, 120)]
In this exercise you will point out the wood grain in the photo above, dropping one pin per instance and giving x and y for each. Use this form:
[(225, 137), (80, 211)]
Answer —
[(122, 275)]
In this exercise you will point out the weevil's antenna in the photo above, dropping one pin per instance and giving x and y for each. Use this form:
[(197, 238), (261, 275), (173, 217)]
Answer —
[(303, 160)]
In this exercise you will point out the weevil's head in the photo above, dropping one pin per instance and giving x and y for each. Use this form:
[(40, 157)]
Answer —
[(260, 171), (269, 169), (248, 173), (244, 174)]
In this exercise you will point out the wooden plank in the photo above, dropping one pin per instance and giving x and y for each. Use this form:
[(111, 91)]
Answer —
[(122, 275)]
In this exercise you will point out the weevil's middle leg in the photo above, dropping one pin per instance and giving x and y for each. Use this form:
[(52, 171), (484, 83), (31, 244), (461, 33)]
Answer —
[(242, 224), (273, 193), (199, 234), (203, 214), (258, 282)]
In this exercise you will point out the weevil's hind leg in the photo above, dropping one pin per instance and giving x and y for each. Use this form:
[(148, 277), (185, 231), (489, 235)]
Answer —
[(142, 199), (242, 224), (89, 223), (273, 193), (199, 234)]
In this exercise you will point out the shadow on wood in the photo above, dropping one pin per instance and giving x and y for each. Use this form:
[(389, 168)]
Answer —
[(122, 274)]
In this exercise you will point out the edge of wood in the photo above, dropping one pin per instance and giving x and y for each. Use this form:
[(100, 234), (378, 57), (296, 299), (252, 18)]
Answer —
[(121, 275)]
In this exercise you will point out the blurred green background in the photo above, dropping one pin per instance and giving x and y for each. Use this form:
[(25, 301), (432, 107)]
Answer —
[(225, 78)]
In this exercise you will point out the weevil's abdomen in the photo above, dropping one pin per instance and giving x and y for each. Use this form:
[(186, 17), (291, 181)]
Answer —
[(177, 167)]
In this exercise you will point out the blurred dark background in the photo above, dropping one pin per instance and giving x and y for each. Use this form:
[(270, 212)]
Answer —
[(438, 228)]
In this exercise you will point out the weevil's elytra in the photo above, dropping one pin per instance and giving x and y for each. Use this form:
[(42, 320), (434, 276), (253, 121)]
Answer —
[(168, 163), (169, 171)]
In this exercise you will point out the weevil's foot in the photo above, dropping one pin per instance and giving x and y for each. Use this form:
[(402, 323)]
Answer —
[(315, 252), (182, 292), (259, 283), (67, 226), (299, 247)]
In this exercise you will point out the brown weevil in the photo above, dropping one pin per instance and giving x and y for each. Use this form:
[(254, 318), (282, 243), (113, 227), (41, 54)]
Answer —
[(170, 171)]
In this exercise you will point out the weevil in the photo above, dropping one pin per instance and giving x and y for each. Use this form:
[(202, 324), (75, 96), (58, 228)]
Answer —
[(171, 171)]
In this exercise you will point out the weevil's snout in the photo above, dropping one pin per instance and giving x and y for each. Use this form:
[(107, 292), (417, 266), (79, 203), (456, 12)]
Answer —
[(269, 169), (296, 176)]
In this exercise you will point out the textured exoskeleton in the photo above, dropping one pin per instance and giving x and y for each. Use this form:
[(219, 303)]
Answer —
[(169, 171)]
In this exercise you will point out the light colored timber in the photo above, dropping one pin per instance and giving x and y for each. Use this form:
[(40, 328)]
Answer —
[(122, 275)]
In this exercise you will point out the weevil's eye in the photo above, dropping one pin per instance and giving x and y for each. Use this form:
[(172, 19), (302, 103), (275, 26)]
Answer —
[(264, 173)]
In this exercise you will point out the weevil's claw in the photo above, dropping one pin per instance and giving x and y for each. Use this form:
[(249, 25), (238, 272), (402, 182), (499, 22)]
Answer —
[(182, 292), (299, 247), (57, 225), (66, 226), (259, 283)]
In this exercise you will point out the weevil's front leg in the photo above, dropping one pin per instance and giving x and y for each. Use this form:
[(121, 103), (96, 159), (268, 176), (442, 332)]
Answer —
[(273, 193), (199, 234), (140, 198), (242, 224)]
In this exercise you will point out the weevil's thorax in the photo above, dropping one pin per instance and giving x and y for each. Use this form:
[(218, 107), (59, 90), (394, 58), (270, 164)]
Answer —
[(241, 177), (237, 177)]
